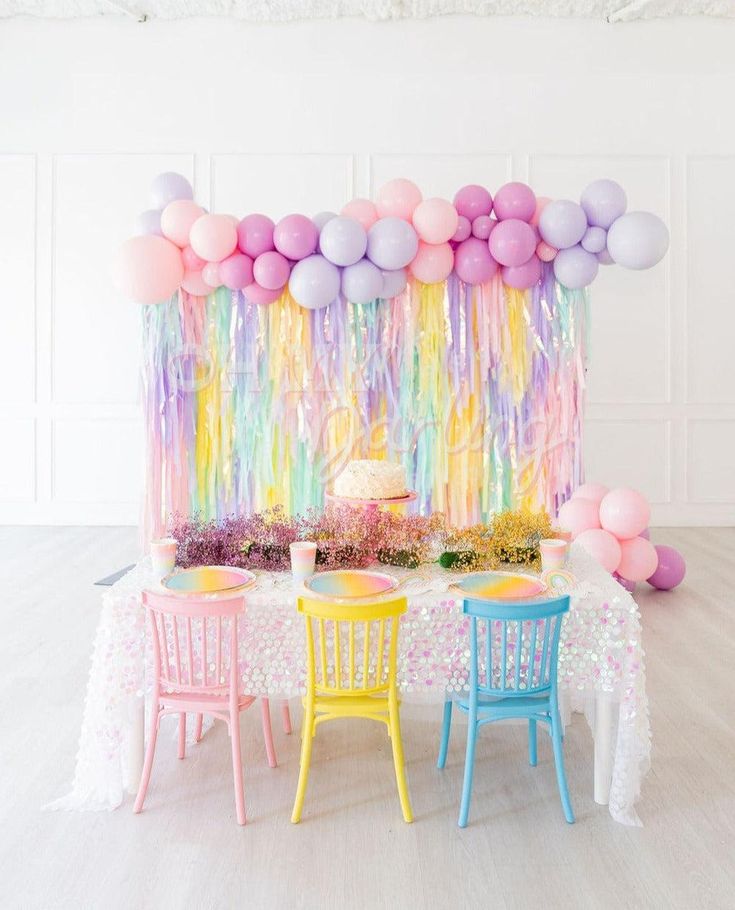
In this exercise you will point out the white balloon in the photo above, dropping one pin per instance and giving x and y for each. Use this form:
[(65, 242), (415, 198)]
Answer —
[(638, 240)]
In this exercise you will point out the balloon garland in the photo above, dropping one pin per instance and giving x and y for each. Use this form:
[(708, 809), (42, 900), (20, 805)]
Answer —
[(371, 249)]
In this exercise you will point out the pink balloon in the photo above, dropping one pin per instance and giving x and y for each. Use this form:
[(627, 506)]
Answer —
[(624, 513), (296, 237), (194, 283), (482, 226), (464, 229), (213, 237), (601, 545), (255, 235), (271, 270), (645, 534), (592, 491), (512, 242), (262, 296), (545, 252), (236, 271), (541, 203), (638, 559), (177, 220), (362, 210), (473, 262), (523, 276), (435, 220), (578, 515), (149, 269), (397, 198), (670, 570), (432, 263), (192, 262), (472, 201), (210, 274), (515, 200)]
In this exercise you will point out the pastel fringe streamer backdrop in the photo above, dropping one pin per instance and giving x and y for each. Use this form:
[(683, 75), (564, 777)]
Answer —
[(447, 335)]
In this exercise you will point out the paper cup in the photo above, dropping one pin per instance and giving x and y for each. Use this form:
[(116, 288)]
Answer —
[(303, 559), (553, 554), (163, 555)]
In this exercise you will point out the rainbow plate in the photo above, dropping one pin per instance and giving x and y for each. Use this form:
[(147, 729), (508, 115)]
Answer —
[(350, 583), (500, 585), (208, 580)]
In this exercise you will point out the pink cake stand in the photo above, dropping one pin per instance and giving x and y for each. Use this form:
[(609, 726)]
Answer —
[(372, 505)]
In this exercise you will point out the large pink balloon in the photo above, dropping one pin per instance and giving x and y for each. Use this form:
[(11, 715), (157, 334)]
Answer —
[(194, 283), (670, 570), (213, 237), (515, 200), (433, 262), (638, 559), (512, 242), (177, 220), (624, 513), (255, 235), (362, 210), (472, 201), (149, 269), (523, 276), (577, 515), (236, 271), (473, 262), (296, 237), (398, 199), (435, 220), (593, 491), (262, 296), (601, 545), (271, 270)]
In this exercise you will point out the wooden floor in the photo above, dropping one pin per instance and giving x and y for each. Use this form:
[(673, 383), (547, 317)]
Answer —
[(352, 849)]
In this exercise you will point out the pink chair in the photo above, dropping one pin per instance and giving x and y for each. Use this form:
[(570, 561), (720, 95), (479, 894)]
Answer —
[(195, 667)]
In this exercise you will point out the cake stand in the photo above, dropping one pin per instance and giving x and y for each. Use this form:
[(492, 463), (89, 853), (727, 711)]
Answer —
[(372, 505)]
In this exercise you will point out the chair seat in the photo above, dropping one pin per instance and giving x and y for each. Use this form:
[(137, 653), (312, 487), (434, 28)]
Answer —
[(352, 705), (202, 704), (518, 705)]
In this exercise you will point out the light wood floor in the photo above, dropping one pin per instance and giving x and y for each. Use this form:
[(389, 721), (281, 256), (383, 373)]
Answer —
[(352, 849)]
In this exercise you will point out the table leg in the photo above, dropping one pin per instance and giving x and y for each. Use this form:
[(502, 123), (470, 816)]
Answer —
[(136, 743), (603, 749)]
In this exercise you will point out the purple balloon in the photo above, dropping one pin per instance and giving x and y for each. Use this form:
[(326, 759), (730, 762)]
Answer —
[(464, 229), (295, 237), (628, 585), (562, 223), (472, 201), (671, 569), (482, 226), (314, 282), (394, 283), (575, 268), (392, 243), (473, 262), (604, 258), (322, 218), (236, 272), (594, 239), (148, 223), (255, 235), (168, 187), (523, 276), (362, 282), (271, 270), (645, 534), (512, 242), (515, 200), (343, 240), (603, 201)]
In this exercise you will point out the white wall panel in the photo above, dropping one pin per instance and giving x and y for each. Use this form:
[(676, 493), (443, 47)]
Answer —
[(17, 459), (711, 462), (629, 453), (442, 174)]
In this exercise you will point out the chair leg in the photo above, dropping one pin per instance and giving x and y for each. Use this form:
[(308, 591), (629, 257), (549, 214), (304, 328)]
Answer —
[(399, 761), (532, 744), (148, 763), (307, 735), (237, 765), (182, 735), (198, 729), (270, 750), (561, 777), (469, 767), (286, 715), (446, 727)]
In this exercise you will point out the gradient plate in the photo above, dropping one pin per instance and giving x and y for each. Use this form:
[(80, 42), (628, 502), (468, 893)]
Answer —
[(350, 583), (208, 580), (500, 585)]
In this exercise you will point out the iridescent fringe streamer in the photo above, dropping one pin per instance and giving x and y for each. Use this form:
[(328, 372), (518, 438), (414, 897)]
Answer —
[(479, 391)]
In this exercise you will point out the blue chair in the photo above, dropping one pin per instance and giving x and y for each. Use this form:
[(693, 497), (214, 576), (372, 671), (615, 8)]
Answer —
[(513, 656)]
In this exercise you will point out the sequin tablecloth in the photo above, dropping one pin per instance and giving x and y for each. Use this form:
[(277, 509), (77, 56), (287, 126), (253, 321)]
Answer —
[(601, 673)]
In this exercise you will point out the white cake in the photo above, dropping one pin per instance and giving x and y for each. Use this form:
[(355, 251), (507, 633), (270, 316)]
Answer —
[(370, 479)]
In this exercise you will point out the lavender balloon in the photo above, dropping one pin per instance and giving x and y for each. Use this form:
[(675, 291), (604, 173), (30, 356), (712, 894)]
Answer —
[(594, 239), (603, 201), (394, 283), (392, 243), (343, 240), (562, 224), (148, 223), (638, 240), (314, 282), (362, 282), (322, 218), (168, 187), (604, 258), (671, 569), (575, 268)]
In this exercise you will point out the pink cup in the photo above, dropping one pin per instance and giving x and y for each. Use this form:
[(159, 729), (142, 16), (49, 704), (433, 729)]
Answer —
[(163, 555), (303, 559), (553, 554)]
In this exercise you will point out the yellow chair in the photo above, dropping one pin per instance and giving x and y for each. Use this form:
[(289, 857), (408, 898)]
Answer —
[(352, 676)]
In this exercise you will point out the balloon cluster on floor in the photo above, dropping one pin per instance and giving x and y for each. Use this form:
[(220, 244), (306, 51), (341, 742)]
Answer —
[(612, 525), (370, 249)]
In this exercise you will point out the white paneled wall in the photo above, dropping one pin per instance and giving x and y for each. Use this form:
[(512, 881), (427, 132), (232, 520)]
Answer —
[(303, 117)]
